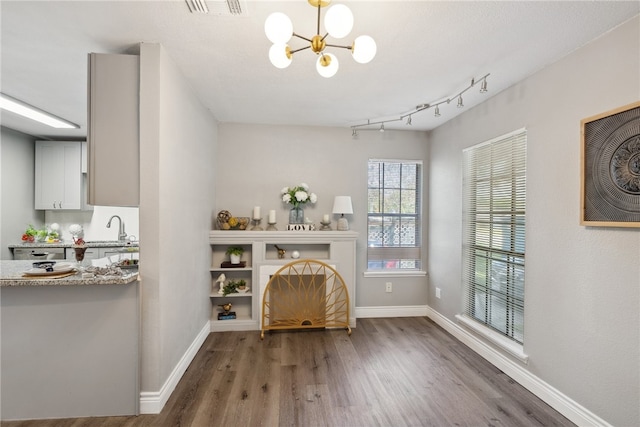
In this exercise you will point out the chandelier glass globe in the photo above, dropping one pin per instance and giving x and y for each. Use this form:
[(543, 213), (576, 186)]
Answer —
[(338, 21), (278, 28), (364, 49), (327, 70)]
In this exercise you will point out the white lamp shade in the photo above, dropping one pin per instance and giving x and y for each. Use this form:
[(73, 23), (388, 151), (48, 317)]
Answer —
[(278, 28), (331, 69), (342, 205), (278, 55), (364, 49), (338, 21)]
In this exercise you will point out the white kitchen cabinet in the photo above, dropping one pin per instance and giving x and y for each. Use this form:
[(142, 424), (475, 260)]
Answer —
[(113, 169), (58, 176)]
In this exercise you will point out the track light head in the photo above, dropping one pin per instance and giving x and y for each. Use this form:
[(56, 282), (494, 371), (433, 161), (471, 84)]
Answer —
[(437, 111), (483, 86), (460, 104)]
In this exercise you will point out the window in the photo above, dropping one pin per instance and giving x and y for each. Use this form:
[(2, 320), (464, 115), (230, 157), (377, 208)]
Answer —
[(494, 233), (393, 219)]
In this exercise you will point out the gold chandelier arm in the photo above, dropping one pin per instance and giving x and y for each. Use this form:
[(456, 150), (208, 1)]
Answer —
[(301, 37), (342, 47), (298, 50), (318, 30)]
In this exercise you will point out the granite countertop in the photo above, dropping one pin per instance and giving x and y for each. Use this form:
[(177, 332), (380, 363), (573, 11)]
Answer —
[(69, 244), (11, 274)]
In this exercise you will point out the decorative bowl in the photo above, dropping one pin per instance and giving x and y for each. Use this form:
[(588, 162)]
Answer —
[(234, 223)]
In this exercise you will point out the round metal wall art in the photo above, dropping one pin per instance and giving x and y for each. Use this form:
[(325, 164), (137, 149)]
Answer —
[(611, 168)]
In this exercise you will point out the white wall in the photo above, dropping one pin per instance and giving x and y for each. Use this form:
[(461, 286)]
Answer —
[(582, 283), (177, 149), (256, 161), (17, 160)]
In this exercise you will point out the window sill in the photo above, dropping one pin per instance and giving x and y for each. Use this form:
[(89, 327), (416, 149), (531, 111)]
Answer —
[(502, 342), (394, 273)]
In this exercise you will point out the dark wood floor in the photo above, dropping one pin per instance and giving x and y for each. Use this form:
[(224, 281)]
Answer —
[(390, 372)]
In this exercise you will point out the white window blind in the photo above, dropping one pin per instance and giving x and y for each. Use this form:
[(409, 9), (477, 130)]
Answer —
[(394, 219), (494, 191)]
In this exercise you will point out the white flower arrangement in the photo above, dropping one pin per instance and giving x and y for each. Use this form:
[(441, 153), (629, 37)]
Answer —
[(298, 195)]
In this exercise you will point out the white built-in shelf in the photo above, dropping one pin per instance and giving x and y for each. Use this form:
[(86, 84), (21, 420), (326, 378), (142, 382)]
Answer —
[(337, 248), (234, 295)]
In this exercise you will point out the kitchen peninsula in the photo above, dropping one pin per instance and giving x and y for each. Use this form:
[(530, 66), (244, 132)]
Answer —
[(69, 344)]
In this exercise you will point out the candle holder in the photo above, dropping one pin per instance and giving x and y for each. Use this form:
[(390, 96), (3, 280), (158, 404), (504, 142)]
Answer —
[(326, 226), (256, 224), (272, 226)]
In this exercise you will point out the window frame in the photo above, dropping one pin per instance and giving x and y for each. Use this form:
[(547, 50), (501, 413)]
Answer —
[(379, 252)]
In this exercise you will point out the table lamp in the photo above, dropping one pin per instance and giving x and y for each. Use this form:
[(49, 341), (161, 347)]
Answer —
[(342, 205)]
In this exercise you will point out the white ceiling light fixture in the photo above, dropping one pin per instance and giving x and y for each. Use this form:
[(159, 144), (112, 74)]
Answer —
[(25, 110), (338, 24)]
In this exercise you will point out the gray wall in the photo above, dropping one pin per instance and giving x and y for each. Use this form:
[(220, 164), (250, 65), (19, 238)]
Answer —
[(256, 161), (177, 148), (17, 161), (582, 283)]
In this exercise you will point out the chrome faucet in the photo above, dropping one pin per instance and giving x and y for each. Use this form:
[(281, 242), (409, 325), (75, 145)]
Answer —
[(121, 234)]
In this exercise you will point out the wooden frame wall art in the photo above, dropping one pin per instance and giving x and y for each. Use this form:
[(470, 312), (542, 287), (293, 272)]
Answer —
[(610, 194)]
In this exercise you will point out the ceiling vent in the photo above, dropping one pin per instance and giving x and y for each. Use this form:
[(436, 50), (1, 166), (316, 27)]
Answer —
[(218, 7)]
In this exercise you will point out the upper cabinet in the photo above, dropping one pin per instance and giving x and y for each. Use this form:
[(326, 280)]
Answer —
[(113, 169), (58, 175)]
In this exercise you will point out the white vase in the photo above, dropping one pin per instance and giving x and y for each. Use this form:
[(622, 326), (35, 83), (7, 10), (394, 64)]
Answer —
[(235, 259)]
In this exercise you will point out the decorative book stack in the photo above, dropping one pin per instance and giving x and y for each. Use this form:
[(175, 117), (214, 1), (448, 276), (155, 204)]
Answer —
[(227, 316)]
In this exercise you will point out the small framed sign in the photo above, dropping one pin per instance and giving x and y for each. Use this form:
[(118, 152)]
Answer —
[(610, 193)]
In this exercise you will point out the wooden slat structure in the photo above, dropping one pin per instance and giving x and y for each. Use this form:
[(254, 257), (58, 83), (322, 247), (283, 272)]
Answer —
[(305, 294)]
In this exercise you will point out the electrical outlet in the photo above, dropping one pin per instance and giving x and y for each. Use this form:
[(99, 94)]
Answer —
[(389, 287), (437, 292)]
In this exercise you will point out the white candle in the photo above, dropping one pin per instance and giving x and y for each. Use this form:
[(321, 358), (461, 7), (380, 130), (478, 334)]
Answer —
[(256, 212), (325, 218), (272, 216)]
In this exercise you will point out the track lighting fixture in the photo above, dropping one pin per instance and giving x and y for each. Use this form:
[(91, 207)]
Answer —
[(422, 107), (338, 24)]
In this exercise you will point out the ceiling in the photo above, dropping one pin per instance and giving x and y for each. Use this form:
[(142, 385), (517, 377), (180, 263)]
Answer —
[(427, 51)]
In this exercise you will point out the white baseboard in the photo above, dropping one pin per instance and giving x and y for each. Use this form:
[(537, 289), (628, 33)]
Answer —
[(575, 412), (152, 402), (392, 311)]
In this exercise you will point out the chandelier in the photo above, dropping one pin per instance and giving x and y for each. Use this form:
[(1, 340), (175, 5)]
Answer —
[(338, 24)]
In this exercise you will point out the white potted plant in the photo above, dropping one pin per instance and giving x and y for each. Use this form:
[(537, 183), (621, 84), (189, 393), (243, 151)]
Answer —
[(235, 253)]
